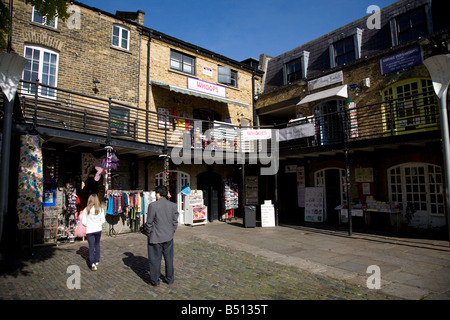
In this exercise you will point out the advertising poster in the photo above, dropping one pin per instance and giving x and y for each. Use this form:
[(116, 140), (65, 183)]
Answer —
[(314, 204)]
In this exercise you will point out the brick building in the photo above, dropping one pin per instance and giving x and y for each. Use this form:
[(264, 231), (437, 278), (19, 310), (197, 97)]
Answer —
[(373, 76), (103, 82)]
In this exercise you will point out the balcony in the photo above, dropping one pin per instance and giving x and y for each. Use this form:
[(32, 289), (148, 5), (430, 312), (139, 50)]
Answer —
[(71, 115)]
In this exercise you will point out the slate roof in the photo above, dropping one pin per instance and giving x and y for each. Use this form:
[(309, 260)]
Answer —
[(374, 42)]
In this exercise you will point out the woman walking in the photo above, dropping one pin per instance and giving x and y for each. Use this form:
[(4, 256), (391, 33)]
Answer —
[(92, 218)]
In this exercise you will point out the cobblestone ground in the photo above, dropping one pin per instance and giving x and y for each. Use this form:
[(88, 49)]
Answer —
[(203, 271)]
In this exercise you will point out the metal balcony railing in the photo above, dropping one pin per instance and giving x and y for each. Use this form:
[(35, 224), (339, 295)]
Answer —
[(45, 106)]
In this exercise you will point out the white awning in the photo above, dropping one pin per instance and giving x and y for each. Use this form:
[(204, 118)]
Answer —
[(340, 91)]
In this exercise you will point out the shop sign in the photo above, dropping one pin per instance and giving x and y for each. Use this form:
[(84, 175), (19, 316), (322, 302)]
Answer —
[(262, 134), (402, 60), (206, 87), (334, 78)]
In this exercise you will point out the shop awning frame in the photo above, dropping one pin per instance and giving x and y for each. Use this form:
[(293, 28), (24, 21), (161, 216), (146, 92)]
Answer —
[(340, 91), (197, 94)]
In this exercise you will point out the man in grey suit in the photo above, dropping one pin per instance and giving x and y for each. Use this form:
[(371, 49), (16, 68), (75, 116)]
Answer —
[(162, 221)]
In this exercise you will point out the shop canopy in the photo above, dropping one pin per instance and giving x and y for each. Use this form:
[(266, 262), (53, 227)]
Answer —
[(340, 91), (197, 94)]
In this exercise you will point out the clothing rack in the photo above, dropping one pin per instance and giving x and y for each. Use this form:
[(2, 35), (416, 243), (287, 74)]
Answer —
[(123, 206)]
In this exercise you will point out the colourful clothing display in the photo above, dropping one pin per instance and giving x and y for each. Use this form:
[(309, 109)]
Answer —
[(31, 183)]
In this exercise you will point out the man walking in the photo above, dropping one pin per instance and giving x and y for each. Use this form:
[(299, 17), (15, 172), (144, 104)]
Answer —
[(162, 221)]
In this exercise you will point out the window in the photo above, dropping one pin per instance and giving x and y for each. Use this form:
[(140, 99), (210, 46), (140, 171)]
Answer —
[(36, 17), (296, 68), (344, 51), (413, 107), (411, 22), (182, 62), (419, 186), (227, 76), (120, 37), (120, 119), (43, 65), (294, 71), (411, 25), (345, 48), (329, 121)]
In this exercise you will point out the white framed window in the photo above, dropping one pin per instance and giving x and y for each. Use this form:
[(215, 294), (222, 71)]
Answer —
[(38, 18), (43, 66), (418, 186), (120, 37), (345, 47)]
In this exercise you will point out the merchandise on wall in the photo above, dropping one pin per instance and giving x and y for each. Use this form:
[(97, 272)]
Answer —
[(231, 198)]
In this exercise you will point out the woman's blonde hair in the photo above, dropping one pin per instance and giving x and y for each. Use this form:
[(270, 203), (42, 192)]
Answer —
[(93, 201)]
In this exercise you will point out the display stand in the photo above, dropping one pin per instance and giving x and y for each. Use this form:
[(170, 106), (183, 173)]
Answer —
[(231, 199), (195, 212)]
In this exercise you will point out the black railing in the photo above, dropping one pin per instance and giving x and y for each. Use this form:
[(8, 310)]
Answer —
[(45, 106)]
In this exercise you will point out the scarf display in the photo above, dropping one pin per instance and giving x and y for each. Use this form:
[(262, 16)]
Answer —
[(31, 183)]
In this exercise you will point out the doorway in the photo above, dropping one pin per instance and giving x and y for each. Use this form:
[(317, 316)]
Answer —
[(211, 185), (333, 182)]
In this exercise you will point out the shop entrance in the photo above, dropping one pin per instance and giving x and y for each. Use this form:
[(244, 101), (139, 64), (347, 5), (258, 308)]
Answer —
[(333, 182), (177, 180), (211, 185)]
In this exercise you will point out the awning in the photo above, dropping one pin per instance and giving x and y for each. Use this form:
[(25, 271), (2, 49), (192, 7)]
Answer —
[(197, 94), (340, 91)]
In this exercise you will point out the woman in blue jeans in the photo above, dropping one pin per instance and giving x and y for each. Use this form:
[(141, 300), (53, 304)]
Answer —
[(93, 217)]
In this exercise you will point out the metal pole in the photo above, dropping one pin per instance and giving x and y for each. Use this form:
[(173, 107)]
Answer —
[(439, 68), (6, 151)]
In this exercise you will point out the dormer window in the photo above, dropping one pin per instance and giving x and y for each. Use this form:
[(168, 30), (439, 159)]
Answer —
[(296, 69), (410, 23), (345, 48)]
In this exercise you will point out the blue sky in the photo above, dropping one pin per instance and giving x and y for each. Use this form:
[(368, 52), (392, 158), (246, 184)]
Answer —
[(240, 29)]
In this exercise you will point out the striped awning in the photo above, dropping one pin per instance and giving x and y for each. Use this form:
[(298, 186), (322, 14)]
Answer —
[(197, 94)]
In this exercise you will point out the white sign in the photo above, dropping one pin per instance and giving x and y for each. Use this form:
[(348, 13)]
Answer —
[(314, 204), (207, 71), (337, 77), (263, 134), (267, 214), (297, 132), (206, 87)]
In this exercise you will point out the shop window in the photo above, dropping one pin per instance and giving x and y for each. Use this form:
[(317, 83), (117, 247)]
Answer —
[(120, 37), (38, 18), (227, 76), (410, 106), (43, 65), (345, 48), (418, 186), (329, 121), (182, 62)]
